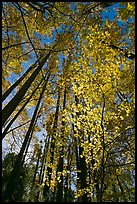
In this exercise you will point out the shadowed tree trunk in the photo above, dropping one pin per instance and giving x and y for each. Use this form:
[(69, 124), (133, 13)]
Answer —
[(5, 95), (66, 186), (80, 162), (59, 196), (11, 185), (36, 168), (52, 147), (11, 106), (42, 168), (18, 113)]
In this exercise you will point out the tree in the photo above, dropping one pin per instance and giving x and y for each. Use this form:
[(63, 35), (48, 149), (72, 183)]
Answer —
[(68, 86)]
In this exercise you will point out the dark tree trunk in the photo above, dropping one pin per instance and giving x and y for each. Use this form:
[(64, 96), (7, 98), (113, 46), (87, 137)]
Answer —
[(18, 113), (11, 106), (5, 95), (36, 168), (83, 175), (77, 157), (42, 168), (52, 147), (81, 164), (95, 173), (59, 196), (11, 185), (121, 188), (107, 4), (66, 187)]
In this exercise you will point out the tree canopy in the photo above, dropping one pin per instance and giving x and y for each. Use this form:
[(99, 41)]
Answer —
[(68, 118)]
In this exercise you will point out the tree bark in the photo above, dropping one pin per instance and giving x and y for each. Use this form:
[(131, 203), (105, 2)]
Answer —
[(80, 163), (52, 147), (36, 168), (14, 118), (59, 196), (11, 185), (11, 106), (66, 187), (42, 168), (5, 95)]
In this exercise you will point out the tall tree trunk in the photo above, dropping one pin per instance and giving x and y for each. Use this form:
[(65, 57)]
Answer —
[(42, 168), (18, 113), (11, 185), (81, 163), (95, 179), (83, 175), (52, 147), (103, 151), (59, 196), (11, 106), (5, 95), (36, 168), (66, 187)]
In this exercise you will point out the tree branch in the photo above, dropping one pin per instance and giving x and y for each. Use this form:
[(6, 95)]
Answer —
[(27, 30), (125, 52), (9, 46)]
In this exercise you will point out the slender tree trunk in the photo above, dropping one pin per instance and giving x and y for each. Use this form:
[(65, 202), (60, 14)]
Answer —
[(66, 195), (81, 164), (46, 150), (36, 168), (94, 174), (14, 118), (35, 172), (52, 147), (5, 95), (77, 158), (83, 175), (42, 168), (11, 106), (115, 191), (11, 185), (59, 196), (103, 151)]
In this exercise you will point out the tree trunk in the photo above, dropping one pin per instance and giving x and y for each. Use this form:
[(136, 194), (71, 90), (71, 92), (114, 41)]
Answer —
[(81, 164), (95, 173), (42, 169), (66, 187), (14, 118), (11, 106), (5, 95), (11, 185), (83, 175), (52, 147), (36, 169), (121, 188), (59, 196)]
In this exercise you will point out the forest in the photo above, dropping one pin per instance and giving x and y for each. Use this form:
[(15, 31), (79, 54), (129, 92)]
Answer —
[(68, 101)]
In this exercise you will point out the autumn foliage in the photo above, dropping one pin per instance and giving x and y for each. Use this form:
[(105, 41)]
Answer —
[(68, 82)]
